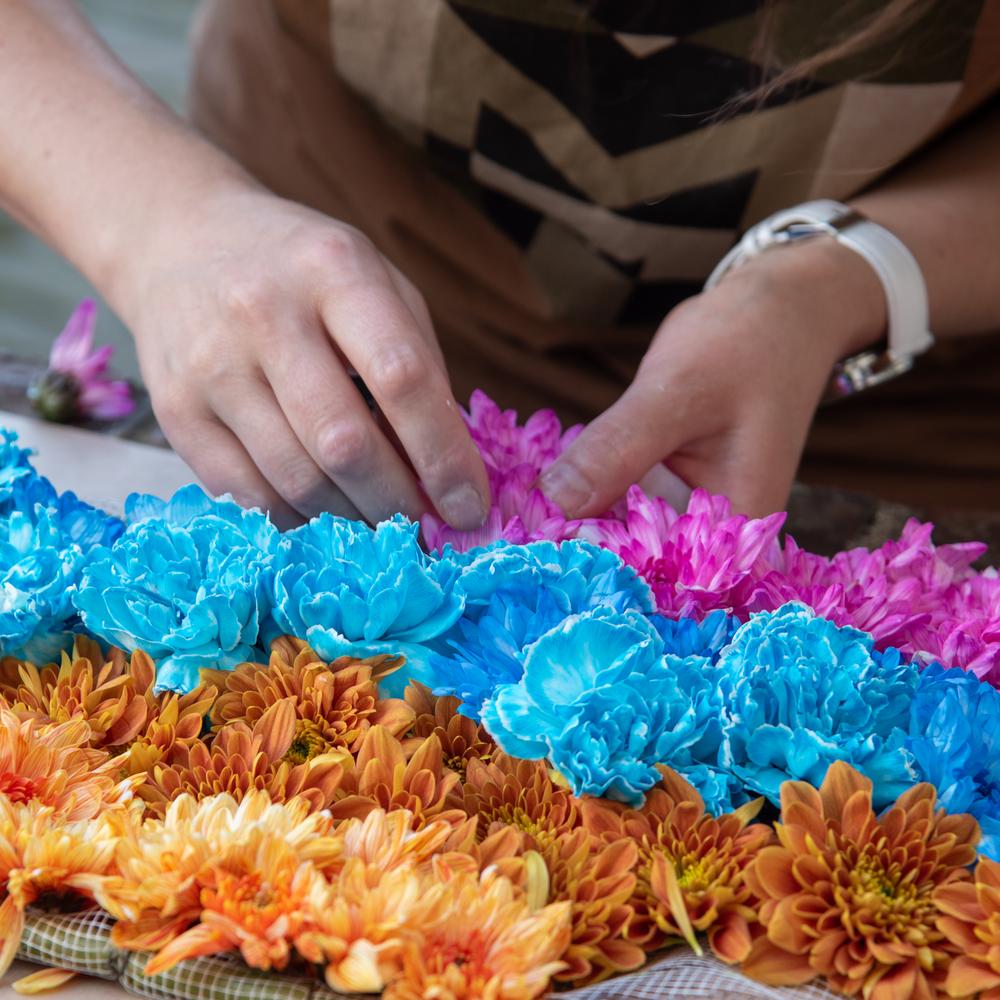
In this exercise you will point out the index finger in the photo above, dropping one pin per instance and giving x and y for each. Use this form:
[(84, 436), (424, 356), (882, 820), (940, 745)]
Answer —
[(379, 336)]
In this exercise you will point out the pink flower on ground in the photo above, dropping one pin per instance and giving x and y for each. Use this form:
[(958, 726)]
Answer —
[(696, 562), (77, 383)]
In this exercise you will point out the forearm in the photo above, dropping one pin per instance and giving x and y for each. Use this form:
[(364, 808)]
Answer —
[(946, 209), (88, 157)]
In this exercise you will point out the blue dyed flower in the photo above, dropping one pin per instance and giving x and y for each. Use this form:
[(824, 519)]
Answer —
[(39, 571), (687, 637), (15, 463), (514, 594), (576, 574), (955, 740), (351, 589), (190, 591), (799, 692), (603, 702)]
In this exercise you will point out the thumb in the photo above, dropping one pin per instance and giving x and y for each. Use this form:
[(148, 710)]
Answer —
[(615, 450)]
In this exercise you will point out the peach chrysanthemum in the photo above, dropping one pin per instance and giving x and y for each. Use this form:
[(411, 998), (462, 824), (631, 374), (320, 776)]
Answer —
[(383, 778), (483, 940), (364, 920), (335, 703), (851, 896), (256, 902), (240, 759), (388, 840), (598, 880), (461, 739), (507, 792), (46, 860), (691, 869), (971, 922), (53, 764), (166, 864)]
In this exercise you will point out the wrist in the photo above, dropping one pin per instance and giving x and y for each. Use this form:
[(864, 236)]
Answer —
[(835, 291), (173, 223)]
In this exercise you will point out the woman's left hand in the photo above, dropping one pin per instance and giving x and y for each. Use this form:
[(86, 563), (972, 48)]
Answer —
[(726, 393)]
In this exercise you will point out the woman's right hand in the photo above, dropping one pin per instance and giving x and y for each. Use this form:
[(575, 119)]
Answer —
[(250, 313)]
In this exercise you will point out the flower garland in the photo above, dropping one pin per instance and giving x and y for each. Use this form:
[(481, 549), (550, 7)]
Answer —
[(537, 754)]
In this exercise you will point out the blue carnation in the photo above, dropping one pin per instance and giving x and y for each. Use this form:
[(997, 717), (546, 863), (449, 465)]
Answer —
[(576, 574), (514, 594), (189, 590), (604, 703), (351, 589), (799, 692), (39, 571), (955, 740)]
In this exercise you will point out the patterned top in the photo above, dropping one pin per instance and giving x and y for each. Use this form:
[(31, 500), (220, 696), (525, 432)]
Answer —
[(601, 136)]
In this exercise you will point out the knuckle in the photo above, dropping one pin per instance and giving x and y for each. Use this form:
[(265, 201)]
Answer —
[(399, 373), (339, 247), (344, 446), (244, 298)]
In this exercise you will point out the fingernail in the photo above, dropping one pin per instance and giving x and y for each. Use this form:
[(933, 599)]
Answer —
[(564, 485), (463, 507)]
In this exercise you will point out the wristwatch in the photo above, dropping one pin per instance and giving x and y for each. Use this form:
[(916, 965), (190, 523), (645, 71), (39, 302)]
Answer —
[(907, 334)]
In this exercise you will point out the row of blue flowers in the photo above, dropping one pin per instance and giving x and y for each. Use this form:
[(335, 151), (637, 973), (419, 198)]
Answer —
[(555, 648)]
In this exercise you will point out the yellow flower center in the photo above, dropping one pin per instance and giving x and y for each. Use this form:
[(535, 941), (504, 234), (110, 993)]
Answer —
[(695, 875), (891, 897), (309, 742), (521, 819)]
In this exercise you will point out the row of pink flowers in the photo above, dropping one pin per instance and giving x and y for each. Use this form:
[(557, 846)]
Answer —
[(923, 598)]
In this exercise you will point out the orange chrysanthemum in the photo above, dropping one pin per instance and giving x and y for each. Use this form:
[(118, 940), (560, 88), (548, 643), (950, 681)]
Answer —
[(461, 739), (48, 861), (335, 704), (691, 869), (384, 779), (166, 864), (850, 896), (598, 881), (971, 922), (240, 759), (521, 794), (114, 695), (53, 764), (108, 693), (174, 721), (484, 939)]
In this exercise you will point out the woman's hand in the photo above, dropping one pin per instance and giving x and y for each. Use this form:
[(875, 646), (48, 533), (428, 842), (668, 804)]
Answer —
[(250, 313), (728, 388)]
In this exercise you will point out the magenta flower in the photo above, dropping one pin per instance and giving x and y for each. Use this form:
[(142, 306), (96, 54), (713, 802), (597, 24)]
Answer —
[(514, 457), (77, 384), (696, 562), (505, 446)]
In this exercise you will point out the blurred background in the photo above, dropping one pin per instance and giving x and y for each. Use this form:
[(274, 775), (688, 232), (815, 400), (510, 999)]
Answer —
[(38, 289)]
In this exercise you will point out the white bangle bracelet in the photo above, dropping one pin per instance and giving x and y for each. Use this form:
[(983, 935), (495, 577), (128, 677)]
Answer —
[(907, 334)]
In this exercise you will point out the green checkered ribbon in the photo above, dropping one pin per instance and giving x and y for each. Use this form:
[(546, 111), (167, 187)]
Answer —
[(81, 942)]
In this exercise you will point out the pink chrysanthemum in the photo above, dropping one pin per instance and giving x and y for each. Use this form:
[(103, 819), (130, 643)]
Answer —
[(514, 458), (77, 383), (696, 562)]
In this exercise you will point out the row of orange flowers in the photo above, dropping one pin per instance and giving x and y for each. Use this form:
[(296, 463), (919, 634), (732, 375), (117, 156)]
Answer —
[(310, 824)]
